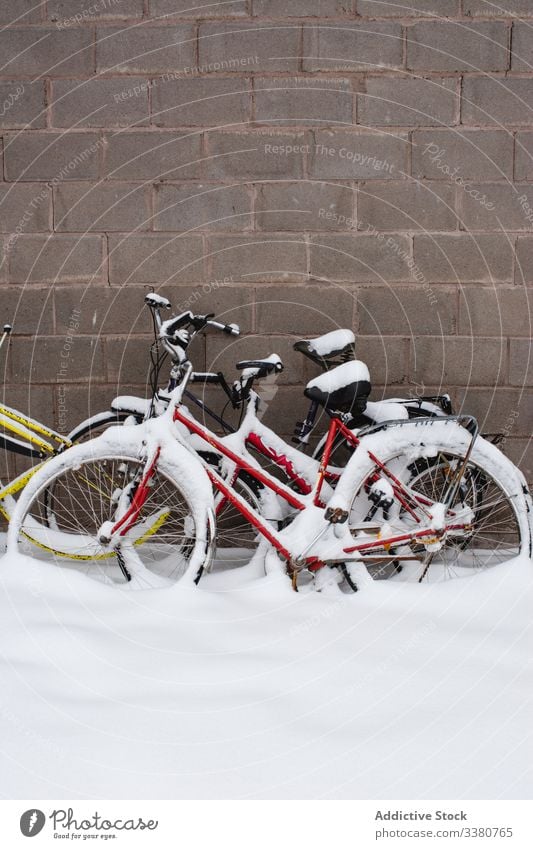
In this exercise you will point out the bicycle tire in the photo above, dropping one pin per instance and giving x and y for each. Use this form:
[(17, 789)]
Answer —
[(498, 501), (172, 537), (90, 428)]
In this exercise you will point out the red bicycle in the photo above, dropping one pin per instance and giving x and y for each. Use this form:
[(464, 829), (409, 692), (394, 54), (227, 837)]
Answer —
[(429, 497)]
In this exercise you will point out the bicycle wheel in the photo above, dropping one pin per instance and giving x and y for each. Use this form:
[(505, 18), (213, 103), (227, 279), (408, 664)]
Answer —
[(490, 506), (98, 424), (236, 537), (60, 512)]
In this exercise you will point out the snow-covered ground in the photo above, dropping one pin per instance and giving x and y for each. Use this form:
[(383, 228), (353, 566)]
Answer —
[(242, 688)]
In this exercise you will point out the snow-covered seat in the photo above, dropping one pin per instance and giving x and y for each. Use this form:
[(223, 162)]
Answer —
[(260, 367), (322, 348), (344, 388)]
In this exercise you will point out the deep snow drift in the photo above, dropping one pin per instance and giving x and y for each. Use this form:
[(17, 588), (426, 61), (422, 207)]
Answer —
[(242, 688)]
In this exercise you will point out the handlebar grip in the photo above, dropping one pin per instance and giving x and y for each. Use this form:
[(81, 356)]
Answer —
[(204, 377), (230, 329)]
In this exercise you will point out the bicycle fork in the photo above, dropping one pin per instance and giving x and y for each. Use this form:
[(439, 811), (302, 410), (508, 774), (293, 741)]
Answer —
[(130, 504)]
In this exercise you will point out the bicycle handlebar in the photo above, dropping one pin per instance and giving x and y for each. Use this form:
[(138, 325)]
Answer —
[(168, 329), (230, 329), (176, 338)]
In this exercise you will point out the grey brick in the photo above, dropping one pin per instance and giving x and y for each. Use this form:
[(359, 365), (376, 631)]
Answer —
[(495, 311), (392, 311), (450, 46), (302, 8), (66, 13), (204, 206), (230, 303), (469, 154), (197, 8), (46, 50), (4, 252), (145, 49), (156, 259), (408, 8), (386, 359), (498, 8), (56, 259), (128, 360), (502, 207), (524, 156), (309, 205), (306, 205), (353, 47), (497, 100), (100, 102), (22, 104), (241, 47), (258, 258), (224, 353), (347, 155), (43, 156), (459, 360), (524, 260), (20, 12), (408, 102), (201, 101), (30, 311), (40, 359), (300, 100), (461, 258), (520, 451), (152, 155), (493, 409), (28, 206), (104, 206), (407, 206), (522, 47), (358, 258), (304, 311), (256, 155), (102, 310)]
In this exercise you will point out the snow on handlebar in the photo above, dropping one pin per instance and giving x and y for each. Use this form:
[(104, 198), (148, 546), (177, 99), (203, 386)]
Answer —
[(157, 301), (177, 332)]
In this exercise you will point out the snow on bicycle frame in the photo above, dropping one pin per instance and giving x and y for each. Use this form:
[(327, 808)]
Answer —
[(299, 544), (324, 529)]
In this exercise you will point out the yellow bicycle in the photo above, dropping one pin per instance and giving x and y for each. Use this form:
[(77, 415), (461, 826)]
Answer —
[(20, 434)]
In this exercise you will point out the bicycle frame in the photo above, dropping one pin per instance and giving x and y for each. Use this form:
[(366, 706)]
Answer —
[(345, 548), (40, 443)]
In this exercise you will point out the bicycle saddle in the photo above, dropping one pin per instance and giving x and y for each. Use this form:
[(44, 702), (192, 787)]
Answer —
[(344, 388), (260, 368), (324, 348)]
